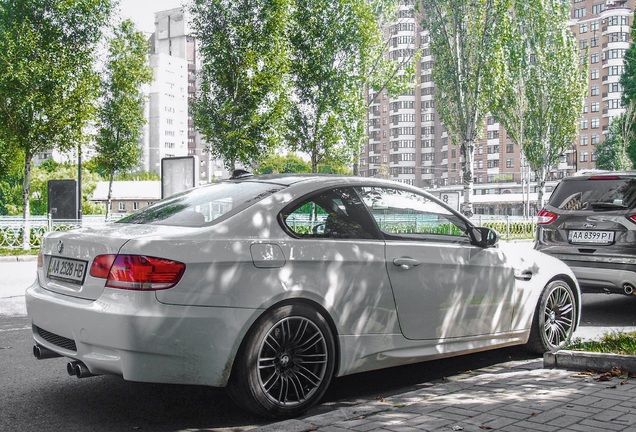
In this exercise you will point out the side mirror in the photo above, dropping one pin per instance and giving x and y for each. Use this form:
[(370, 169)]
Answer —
[(483, 236)]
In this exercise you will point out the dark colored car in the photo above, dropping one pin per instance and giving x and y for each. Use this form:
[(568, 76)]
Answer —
[(589, 223)]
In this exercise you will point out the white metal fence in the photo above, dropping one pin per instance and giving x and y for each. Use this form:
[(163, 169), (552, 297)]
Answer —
[(12, 227)]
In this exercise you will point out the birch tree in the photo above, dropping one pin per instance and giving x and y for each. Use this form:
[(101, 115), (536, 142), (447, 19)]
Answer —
[(555, 84), (121, 117), (336, 48), (48, 85), (244, 75), (464, 36)]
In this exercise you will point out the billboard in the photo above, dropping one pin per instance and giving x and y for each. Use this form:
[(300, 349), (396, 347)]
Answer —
[(62, 199), (178, 174)]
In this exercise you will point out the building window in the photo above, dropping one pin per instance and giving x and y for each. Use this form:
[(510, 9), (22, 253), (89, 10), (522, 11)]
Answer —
[(598, 8), (595, 106), (595, 123), (509, 163), (594, 58), (583, 28), (122, 206), (579, 12), (594, 74), (594, 90), (510, 148), (583, 124), (594, 139), (583, 157), (594, 41), (583, 140)]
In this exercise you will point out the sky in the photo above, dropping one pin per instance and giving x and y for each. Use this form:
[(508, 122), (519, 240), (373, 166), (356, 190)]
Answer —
[(142, 12)]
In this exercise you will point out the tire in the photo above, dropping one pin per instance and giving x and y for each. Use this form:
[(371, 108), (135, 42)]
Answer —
[(554, 319), (285, 363)]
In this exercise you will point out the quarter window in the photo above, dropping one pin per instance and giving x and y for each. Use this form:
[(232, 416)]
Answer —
[(335, 213)]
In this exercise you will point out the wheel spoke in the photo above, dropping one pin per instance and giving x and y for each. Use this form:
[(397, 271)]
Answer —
[(558, 316), (292, 361)]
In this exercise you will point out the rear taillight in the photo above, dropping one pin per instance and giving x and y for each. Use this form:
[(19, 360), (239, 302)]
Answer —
[(632, 218), (601, 177), (101, 265), (545, 217), (136, 272)]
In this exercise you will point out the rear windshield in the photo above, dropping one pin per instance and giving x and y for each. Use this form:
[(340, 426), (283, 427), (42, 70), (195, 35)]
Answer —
[(586, 194), (204, 205)]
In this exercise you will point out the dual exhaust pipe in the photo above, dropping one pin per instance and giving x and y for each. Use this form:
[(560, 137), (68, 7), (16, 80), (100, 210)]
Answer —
[(74, 368), (78, 369)]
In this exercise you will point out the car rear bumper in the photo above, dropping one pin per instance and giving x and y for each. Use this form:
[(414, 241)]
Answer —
[(131, 334), (599, 280)]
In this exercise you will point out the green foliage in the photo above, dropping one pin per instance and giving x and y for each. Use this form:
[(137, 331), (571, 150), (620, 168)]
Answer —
[(464, 35), (245, 64), (278, 164), (613, 153), (137, 176), (614, 343), (334, 46), (539, 94), (11, 189), (628, 78), (121, 117), (11, 195), (48, 84)]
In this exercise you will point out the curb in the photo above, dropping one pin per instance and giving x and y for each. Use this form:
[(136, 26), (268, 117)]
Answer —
[(18, 258), (581, 361)]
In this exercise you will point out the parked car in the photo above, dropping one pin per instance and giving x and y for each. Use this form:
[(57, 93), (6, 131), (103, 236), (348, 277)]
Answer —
[(589, 223), (270, 286)]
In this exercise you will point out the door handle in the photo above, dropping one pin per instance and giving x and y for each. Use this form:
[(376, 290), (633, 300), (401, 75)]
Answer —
[(406, 263)]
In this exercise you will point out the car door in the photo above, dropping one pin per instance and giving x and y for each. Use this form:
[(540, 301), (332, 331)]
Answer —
[(336, 253), (444, 287)]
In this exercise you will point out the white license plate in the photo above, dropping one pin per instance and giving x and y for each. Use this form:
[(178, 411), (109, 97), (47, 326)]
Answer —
[(591, 236), (68, 270)]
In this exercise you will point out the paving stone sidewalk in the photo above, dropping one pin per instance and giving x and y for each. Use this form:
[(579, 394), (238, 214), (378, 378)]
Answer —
[(512, 397)]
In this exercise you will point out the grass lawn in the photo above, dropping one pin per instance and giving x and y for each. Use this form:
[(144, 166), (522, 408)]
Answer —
[(17, 251), (611, 343)]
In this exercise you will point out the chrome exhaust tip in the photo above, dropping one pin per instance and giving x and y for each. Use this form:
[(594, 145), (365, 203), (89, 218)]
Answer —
[(41, 353)]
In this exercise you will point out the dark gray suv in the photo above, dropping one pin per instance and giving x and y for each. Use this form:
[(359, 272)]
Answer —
[(589, 223)]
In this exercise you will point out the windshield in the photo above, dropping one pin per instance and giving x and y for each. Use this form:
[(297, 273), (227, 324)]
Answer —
[(595, 194), (204, 205)]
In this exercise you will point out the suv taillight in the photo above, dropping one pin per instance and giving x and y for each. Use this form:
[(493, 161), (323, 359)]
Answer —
[(137, 272), (632, 218), (545, 217)]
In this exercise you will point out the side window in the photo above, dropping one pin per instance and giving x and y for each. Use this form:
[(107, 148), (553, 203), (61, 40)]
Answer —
[(334, 213), (407, 215)]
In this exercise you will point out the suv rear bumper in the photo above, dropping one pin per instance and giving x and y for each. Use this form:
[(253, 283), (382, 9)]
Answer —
[(603, 280)]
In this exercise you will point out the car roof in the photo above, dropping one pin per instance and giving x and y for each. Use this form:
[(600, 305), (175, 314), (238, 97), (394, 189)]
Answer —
[(325, 179), (599, 174)]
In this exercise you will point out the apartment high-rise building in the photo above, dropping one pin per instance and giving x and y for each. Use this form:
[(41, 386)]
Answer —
[(173, 38), (408, 143), (166, 131)]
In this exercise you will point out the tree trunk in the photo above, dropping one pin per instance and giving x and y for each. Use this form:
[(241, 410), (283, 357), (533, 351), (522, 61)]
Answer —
[(26, 211), (541, 184), (109, 196), (468, 150)]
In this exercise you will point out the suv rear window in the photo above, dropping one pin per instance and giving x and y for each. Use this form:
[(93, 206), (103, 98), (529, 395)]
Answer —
[(595, 194)]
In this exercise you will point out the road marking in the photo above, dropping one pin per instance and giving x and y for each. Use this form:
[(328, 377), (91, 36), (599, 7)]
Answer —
[(15, 329)]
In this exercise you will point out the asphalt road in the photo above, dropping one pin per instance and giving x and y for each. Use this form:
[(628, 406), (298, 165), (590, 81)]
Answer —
[(40, 396)]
